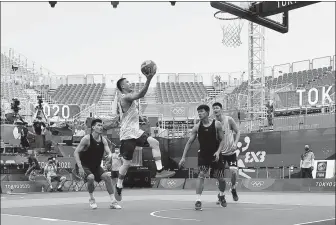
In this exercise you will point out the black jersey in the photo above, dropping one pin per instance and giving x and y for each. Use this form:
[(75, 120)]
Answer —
[(93, 156), (207, 138)]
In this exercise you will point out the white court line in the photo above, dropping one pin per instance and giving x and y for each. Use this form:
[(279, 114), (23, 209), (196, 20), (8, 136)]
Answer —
[(317, 221), (172, 218), (178, 218), (51, 219)]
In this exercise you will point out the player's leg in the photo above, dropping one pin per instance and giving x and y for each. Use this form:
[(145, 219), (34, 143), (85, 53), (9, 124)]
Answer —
[(109, 186), (49, 180), (60, 182), (220, 175), (233, 166), (126, 149), (202, 170), (89, 179), (155, 145)]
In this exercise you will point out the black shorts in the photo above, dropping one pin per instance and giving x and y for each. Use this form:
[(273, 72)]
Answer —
[(55, 178), (114, 174), (231, 160), (127, 147), (97, 173), (207, 164), (306, 173)]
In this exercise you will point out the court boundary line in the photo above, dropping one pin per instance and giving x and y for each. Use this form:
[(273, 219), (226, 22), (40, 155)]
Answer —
[(51, 219), (316, 221), (190, 219), (172, 218)]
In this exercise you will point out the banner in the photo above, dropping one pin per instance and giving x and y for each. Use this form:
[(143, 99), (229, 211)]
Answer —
[(64, 162), (278, 185), (171, 183), (20, 186), (324, 169), (210, 184)]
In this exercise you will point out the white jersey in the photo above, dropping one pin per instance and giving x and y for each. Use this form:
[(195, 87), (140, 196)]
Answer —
[(228, 137), (129, 122)]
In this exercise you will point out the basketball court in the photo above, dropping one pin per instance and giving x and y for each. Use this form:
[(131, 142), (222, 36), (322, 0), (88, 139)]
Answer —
[(167, 207), (150, 207)]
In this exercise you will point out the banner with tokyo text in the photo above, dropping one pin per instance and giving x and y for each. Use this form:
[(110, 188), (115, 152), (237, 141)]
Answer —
[(278, 185)]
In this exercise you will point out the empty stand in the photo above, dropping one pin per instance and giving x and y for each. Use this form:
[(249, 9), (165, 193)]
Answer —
[(78, 94), (180, 92)]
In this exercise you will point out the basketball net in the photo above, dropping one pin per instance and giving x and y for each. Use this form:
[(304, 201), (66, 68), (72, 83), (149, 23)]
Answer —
[(231, 26)]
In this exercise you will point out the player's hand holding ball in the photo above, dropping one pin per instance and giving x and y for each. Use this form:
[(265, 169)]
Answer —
[(148, 68)]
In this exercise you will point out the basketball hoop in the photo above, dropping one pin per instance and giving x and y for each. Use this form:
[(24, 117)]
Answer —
[(231, 27)]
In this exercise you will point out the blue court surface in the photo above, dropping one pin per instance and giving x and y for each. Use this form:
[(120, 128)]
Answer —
[(163, 207)]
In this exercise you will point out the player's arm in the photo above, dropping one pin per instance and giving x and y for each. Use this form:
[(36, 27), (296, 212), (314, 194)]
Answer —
[(106, 147), (235, 129), (81, 148), (111, 124), (190, 141), (134, 96), (220, 133)]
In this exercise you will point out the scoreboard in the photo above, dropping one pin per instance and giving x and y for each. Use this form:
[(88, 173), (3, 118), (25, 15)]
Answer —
[(60, 110)]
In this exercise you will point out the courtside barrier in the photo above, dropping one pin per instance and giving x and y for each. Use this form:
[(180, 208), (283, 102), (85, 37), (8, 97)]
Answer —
[(177, 183), (279, 185), (246, 185)]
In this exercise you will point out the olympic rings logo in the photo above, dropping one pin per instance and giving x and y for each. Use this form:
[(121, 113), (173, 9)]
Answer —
[(178, 110), (257, 183)]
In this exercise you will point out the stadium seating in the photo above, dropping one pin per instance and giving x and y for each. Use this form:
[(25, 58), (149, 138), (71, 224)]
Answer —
[(78, 94), (11, 90), (301, 79), (290, 99), (183, 92), (8, 65)]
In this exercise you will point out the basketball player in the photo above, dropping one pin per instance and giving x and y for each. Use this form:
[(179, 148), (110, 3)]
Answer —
[(228, 152), (131, 135), (209, 134), (89, 155)]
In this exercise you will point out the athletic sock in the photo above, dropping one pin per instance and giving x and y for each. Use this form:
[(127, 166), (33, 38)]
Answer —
[(221, 193), (158, 164), (112, 198), (120, 183), (198, 198)]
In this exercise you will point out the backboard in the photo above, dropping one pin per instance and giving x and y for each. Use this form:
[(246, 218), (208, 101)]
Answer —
[(259, 12)]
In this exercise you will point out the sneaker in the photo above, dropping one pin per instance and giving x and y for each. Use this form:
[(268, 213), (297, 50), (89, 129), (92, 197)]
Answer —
[(164, 174), (198, 205), (59, 190), (93, 204), (117, 193), (115, 205), (222, 201), (234, 195)]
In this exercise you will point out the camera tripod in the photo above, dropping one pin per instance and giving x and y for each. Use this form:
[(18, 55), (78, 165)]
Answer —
[(39, 111)]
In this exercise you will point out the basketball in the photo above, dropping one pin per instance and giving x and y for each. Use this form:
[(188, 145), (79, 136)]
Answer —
[(148, 68)]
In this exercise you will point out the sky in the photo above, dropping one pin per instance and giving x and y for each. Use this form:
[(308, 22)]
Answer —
[(95, 38)]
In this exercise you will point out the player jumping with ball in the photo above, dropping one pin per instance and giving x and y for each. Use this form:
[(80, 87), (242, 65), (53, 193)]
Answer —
[(130, 133)]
